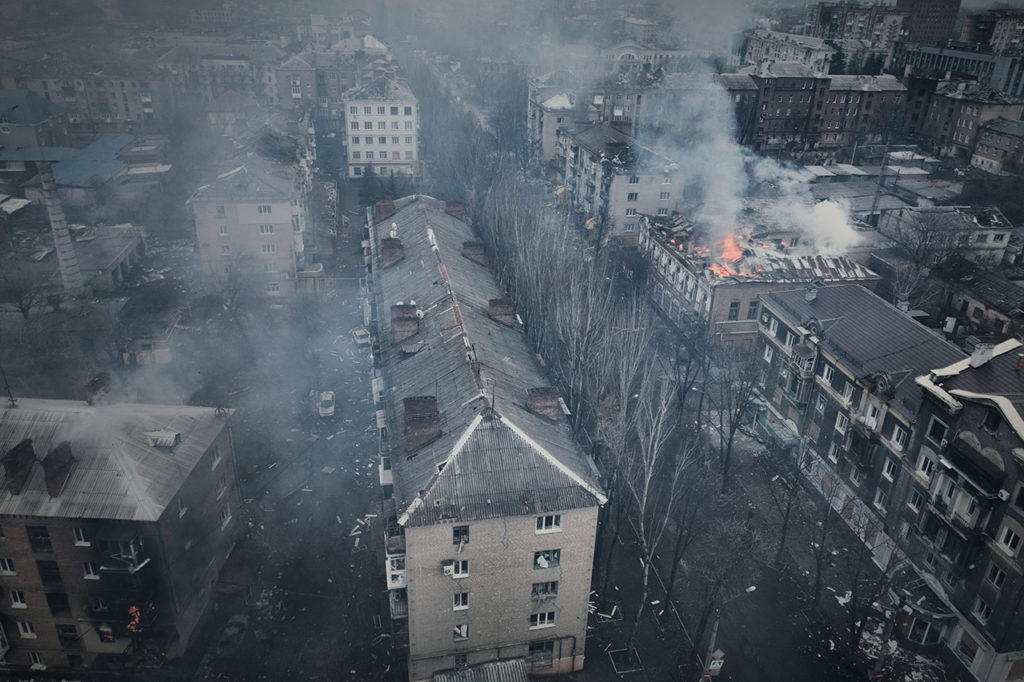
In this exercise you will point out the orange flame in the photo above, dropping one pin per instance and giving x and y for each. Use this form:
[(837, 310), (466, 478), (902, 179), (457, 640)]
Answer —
[(730, 250)]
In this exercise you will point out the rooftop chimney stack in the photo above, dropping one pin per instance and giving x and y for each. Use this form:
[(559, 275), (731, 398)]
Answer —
[(982, 354), (383, 209), (422, 422), (18, 465), (543, 402), (501, 310), (810, 293), (1020, 359), (404, 322), (474, 251), (57, 468), (70, 274), (391, 251), (455, 210)]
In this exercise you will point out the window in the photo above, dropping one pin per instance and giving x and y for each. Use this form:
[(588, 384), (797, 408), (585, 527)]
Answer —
[(889, 469), (996, 576), (936, 431), (630, 211), (268, 248), (394, 125), (460, 660), (222, 230), (355, 125), (966, 649), (408, 125), (460, 632), (820, 403), (367, 125), (542, 620), (35, 658), (926, 465), (634, 179), (264, 208), (382, 140), (407, 111), (734, 310), (225, 249), (220, 211), (266, 229), (18, 600), (662, 211), (981, 238), (357, 171), (408, 139), (356, 156), (916, 500), (381, 110), (461, 568), (460, 601), (58, 603), (220, 487), (544, 590), (27, 630), (629, 227), (225, 516), (383, 155), (353, 110), (827, 373), (367, 110), (881, 499), (768, 353), (49, 572), (82, 538), (39, 538), (790, 339), (551, 523), (394, 111), (665, 195), (548, 558), (752, 309), (369, 155), (982, 611), (856, 476), (408, 156), (542, 653), (899, 436), (998, 237), (68, 636), (632, 196), (848, 392), (215, 457), (842, 421), (90, 570), (1009, 540), (382, 125), (460, 535), (666, 180), (394, 139)]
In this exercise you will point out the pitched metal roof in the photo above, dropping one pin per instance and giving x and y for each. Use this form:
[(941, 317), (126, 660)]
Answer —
[(254, 180), (119, 473), (868, 335), (99, 162), (1004, 126), (487, 462), (23, 107)]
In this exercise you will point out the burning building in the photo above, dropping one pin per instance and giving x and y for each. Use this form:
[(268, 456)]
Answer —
[(717, 282)]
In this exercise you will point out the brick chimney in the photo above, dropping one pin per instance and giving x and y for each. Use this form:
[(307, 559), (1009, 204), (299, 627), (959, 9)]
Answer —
[(501, 310), (391, 251), (18, 465), (454, 209), (474, 251), (57, 468), (404, 322), (544, 402), (422, 422), (383, 209)]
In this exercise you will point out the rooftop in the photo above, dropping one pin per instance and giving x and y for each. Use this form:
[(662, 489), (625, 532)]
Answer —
[(96, 164), (606, 141), (256, 179), (492, 457), (117, 473), (997, 377), (22, 107), (985, 285), (883, 83), (385, 88), (868, 335), (1004, 126), (802, 40)]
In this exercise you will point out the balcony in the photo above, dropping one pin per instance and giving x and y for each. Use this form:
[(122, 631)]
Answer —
[(394, 569), (398, 602)]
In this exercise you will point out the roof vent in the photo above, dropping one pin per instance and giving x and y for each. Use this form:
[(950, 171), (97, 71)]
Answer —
[(474, 251), (422, 422), (982, 354), (544, 402), (57, 468), (501, 310), (163, 438), (18, 465), (383, 209), (391, 251), (404, 322), (454, 209), (97, 388)]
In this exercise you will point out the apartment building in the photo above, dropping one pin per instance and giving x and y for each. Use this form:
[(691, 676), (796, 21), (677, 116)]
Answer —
[(116, 521), (980, 233), (490, 541), (956, 112), (718, 286), (210, 69), (253, 220), (861, 109), (1003, 73), (880, 25), (929, 21), (764, 46), (1001, 30), (790, 97), (1000, 146), (612, 181), (383, 129), (29, 120)]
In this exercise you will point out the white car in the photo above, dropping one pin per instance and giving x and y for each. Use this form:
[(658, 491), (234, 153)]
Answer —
[(325, 406)]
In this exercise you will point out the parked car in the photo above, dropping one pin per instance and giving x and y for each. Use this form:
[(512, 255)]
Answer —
[(361, 337), (325, 405)]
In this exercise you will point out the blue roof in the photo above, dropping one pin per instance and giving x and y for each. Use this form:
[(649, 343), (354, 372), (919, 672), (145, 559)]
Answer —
[(97, 161)]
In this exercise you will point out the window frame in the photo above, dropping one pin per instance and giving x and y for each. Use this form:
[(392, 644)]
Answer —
[(548, 523), (542, 619), (460, 601)]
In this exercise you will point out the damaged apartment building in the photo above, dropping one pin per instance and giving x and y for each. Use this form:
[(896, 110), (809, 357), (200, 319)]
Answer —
[(115, 522), (490, 540), (919, 448)]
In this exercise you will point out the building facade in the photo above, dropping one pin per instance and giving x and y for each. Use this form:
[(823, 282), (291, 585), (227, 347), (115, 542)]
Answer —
[(493, 506), (382, 129), (763, 46), (1000, 146), (880, 25), (929, 21), (116, 520)]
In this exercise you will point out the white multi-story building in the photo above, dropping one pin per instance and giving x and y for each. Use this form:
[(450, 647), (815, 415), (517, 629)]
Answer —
[(382, 129)]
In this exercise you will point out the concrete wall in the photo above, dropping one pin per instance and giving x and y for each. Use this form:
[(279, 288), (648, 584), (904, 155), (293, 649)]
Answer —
[(500, 553)]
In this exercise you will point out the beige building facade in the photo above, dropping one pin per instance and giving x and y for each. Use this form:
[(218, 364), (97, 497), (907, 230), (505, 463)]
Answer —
[(382, 129)]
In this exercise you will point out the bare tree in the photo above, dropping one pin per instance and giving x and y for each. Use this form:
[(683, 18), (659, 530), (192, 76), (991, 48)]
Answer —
[(733, 380)]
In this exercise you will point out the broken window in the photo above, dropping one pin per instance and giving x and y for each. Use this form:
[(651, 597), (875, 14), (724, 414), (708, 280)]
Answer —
[(548, 558), (545, 590), (39, 538), (49, 572), (460, 535), (460, 632)]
